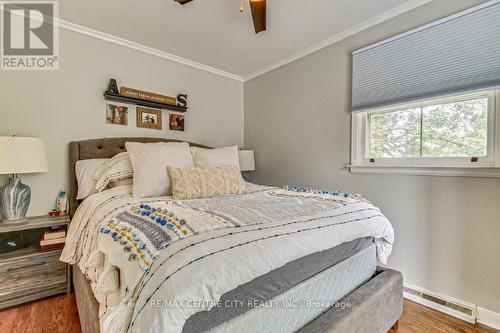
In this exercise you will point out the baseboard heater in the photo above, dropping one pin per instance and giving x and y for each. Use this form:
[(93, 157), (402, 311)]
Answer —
[(441, 303)]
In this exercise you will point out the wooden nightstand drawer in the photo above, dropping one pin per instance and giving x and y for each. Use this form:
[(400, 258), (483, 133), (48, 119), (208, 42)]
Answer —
[(31, 277)]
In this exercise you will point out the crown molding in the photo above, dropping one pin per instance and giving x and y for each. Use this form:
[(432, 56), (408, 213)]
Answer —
[(139, 47), (142, 48), (405, 7)]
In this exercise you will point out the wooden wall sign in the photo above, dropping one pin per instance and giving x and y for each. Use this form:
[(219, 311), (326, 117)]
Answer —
[(147, 96)]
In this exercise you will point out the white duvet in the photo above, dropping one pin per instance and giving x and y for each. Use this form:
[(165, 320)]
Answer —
[(269, 228)]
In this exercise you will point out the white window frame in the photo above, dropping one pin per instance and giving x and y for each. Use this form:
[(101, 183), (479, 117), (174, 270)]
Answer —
[(485, 166)]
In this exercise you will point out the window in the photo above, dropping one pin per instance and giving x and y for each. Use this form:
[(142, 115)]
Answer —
[(443, 129), (451, 132)]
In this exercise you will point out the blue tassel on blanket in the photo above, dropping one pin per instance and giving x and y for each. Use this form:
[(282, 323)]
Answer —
[(301, 189)]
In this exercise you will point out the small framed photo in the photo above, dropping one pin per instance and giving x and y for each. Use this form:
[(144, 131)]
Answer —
[(116, 114), (176, 122), (148, 118)]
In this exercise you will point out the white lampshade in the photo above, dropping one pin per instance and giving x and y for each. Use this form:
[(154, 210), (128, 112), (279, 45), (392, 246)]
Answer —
[(247, 161), (22, 155)]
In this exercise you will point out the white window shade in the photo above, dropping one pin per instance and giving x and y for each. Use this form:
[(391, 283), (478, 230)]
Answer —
[(453, 55)]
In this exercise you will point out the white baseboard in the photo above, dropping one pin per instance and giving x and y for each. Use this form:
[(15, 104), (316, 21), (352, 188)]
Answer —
[(480, 315), (488, 318)]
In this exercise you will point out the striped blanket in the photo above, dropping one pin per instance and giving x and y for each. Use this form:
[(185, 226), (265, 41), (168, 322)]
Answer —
[(191, 252)]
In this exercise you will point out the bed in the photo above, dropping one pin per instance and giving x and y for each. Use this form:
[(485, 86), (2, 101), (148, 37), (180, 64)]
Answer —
[(308, 287)]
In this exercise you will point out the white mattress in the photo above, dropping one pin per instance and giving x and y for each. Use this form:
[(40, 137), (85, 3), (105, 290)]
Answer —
[(299, 305)]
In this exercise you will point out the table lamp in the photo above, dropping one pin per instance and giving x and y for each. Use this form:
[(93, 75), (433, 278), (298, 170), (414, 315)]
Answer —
[(19, 155)]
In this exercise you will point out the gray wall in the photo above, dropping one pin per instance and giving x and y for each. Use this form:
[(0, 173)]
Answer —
[(64, 105), (297, 120)]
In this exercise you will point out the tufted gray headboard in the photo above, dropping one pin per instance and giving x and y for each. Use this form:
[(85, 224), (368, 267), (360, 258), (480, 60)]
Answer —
[(99, 148)]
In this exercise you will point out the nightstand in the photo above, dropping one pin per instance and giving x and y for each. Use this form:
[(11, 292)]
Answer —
[(26, 274)]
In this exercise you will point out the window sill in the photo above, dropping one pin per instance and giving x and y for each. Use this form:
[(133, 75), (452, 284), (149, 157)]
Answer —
[(485, 172)]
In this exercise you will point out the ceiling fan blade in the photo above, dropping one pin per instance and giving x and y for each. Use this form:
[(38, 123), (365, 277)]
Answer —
[(258, 8)]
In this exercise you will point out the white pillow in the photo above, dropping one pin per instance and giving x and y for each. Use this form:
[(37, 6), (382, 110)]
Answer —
[(150, 161), (116, 168), (216, 158), (85, 170)]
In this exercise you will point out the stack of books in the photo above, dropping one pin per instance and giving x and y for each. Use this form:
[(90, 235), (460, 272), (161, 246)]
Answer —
[(53, 239)]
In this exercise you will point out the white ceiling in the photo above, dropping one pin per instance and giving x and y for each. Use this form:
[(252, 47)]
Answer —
[(215, 33)]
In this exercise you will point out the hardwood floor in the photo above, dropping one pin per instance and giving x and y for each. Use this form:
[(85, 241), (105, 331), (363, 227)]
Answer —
[(56, 314), (59, 315)]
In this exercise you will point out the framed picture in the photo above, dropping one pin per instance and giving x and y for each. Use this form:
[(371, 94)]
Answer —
[(148, 118), (176, 122), (116, 114)]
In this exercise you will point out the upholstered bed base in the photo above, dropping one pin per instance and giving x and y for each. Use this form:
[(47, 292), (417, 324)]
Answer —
[(88, 307), (374, 307)]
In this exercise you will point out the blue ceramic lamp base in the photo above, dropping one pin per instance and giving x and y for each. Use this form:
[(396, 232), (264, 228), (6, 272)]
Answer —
[(14, 201)]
